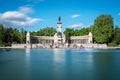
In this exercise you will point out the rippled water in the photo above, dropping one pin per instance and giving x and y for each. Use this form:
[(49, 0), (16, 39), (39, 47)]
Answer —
[(60, 64)]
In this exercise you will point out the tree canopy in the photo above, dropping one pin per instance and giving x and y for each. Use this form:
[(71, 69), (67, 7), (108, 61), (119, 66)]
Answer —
[(48, 31), (103, 29), (10, 35), (76, 32), (1, 34), (117, 35)]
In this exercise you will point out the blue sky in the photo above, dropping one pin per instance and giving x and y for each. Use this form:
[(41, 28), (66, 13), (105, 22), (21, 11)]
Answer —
[(35, 14)]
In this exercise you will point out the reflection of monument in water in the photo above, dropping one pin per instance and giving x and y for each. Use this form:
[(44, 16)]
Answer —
[(59, 55)]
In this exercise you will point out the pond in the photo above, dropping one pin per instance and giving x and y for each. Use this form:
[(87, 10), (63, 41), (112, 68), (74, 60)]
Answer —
[(60, 64)]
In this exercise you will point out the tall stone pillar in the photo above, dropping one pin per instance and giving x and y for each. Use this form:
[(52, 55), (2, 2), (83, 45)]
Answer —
[(28, 38), (59, 25), (28, 43), (90, 38)]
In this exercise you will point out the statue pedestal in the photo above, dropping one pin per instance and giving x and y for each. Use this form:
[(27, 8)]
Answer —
[(28, 45)]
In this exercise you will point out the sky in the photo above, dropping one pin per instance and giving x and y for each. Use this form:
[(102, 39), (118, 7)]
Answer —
[(33, 15)]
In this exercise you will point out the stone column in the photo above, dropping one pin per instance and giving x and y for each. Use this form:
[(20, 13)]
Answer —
[(28, 44), (90, 38)]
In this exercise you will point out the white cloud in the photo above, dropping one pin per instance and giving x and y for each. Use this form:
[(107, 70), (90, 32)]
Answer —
[(75, 16), (78, 25), (18, 18), (26, 10), (33, 2)]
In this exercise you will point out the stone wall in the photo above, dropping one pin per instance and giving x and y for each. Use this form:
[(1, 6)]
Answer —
[(64, 46), (88, 45), (19, 46)]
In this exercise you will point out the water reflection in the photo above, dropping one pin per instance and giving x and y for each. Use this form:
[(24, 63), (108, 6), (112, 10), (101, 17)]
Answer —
[(59, 55), (27, 51), (89, 55), (59, 60), (27, 55), (27, 72)]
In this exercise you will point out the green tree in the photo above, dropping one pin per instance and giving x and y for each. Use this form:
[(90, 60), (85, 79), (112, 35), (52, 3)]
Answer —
[(52, 31), (103, 29), (1, 35), (8, 36), (48, 31), (23, 36), (117, 35), (17, 36), (84, 31), (69, 32), (76, 32), (35, 33)]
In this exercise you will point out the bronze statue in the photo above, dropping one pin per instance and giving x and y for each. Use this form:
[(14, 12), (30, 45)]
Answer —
[(59, 18)]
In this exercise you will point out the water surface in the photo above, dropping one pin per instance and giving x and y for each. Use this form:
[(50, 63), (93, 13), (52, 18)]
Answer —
[(60, 64)]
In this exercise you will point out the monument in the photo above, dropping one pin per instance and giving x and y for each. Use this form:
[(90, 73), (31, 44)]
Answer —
[(59, 40), (59, 37)]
